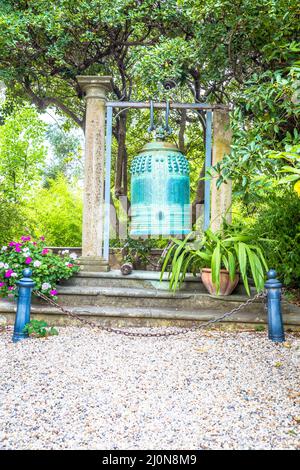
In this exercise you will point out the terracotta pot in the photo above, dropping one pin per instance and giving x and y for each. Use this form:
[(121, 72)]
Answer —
[(226, 285)]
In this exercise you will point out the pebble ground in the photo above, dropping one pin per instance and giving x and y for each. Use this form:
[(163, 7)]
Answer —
[(87, 389)]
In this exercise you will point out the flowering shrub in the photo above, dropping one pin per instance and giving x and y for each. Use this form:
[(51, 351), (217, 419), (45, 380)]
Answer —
[(47, 268)]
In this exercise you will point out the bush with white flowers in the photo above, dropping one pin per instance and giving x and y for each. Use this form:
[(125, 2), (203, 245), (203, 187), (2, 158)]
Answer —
[(47, 268)]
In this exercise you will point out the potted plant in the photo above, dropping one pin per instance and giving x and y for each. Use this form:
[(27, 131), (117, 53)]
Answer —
[(222, 258), (136, 254)]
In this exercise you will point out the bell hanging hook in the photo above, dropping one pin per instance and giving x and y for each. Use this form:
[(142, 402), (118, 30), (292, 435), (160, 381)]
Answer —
[(167, 128), (152, 126)]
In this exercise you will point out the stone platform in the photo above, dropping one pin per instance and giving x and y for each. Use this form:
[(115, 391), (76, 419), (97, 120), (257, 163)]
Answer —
[(140, 299)]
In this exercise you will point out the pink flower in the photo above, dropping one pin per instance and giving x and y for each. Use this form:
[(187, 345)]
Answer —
[(45, 251), (53, 292), (34, 243), (18, 247), (8, 273), (11, 243), (28, 260), (11, 288), (42, 238), (25, 239), (2, 284), (70, 265)]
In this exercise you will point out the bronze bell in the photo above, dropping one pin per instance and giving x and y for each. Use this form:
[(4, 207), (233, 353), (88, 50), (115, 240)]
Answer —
[(160, 191)]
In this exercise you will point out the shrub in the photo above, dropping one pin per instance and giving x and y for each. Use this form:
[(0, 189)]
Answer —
[(12, 220), (279, 220), (56, 211), (47, 268)]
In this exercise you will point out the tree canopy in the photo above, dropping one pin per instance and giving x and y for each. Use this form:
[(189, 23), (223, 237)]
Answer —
[(211, 50), (205, 46)]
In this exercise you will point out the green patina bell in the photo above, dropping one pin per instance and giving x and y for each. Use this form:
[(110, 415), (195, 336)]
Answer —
[(160, 191)]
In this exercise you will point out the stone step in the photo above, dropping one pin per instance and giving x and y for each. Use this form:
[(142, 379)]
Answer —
[(143, 317), (139, 298), (138, 279)]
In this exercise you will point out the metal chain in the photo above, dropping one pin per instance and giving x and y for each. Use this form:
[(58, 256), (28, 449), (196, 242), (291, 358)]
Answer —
[(260, 295)]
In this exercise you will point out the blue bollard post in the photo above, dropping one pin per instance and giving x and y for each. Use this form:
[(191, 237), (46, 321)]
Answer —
[(275, 324), (23, 308)]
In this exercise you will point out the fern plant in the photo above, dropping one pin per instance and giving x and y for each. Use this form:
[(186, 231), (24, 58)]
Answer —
[(234, 252)]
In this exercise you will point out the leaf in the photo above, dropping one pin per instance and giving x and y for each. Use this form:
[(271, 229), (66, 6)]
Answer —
[(256, 269), (211, 235), (238, 238), (185, 265), (262, 258), (231, 266), (181, 246), (242, 259), (225, 262), (216, 266), (165, 263), (203, 255), (176, 273), (290, 169), (288, 179)]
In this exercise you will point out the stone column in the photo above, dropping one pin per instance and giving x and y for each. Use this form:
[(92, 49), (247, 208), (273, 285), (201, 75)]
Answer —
[(95, 89), (220, 198)]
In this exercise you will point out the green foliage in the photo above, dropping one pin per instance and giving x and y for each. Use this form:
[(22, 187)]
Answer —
[(66, 150), (57, 212), (12, 220), (260, 327), (40, 329), (229, 249), (291, 155), (135, 251), (56, 209), (138, 251), (278, 218), (47, 268), (266, 121), (209, 48), (169, 59), (22, 153), (178, 259), (41, 56)]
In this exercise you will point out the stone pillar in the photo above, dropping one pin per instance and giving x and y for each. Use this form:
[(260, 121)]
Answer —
[(220, 198), (95, 89)]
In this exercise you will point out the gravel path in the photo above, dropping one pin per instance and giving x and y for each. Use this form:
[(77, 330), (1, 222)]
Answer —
[(87, 389)]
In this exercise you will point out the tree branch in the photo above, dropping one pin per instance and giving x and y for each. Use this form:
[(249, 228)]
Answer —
[(42, 103)]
